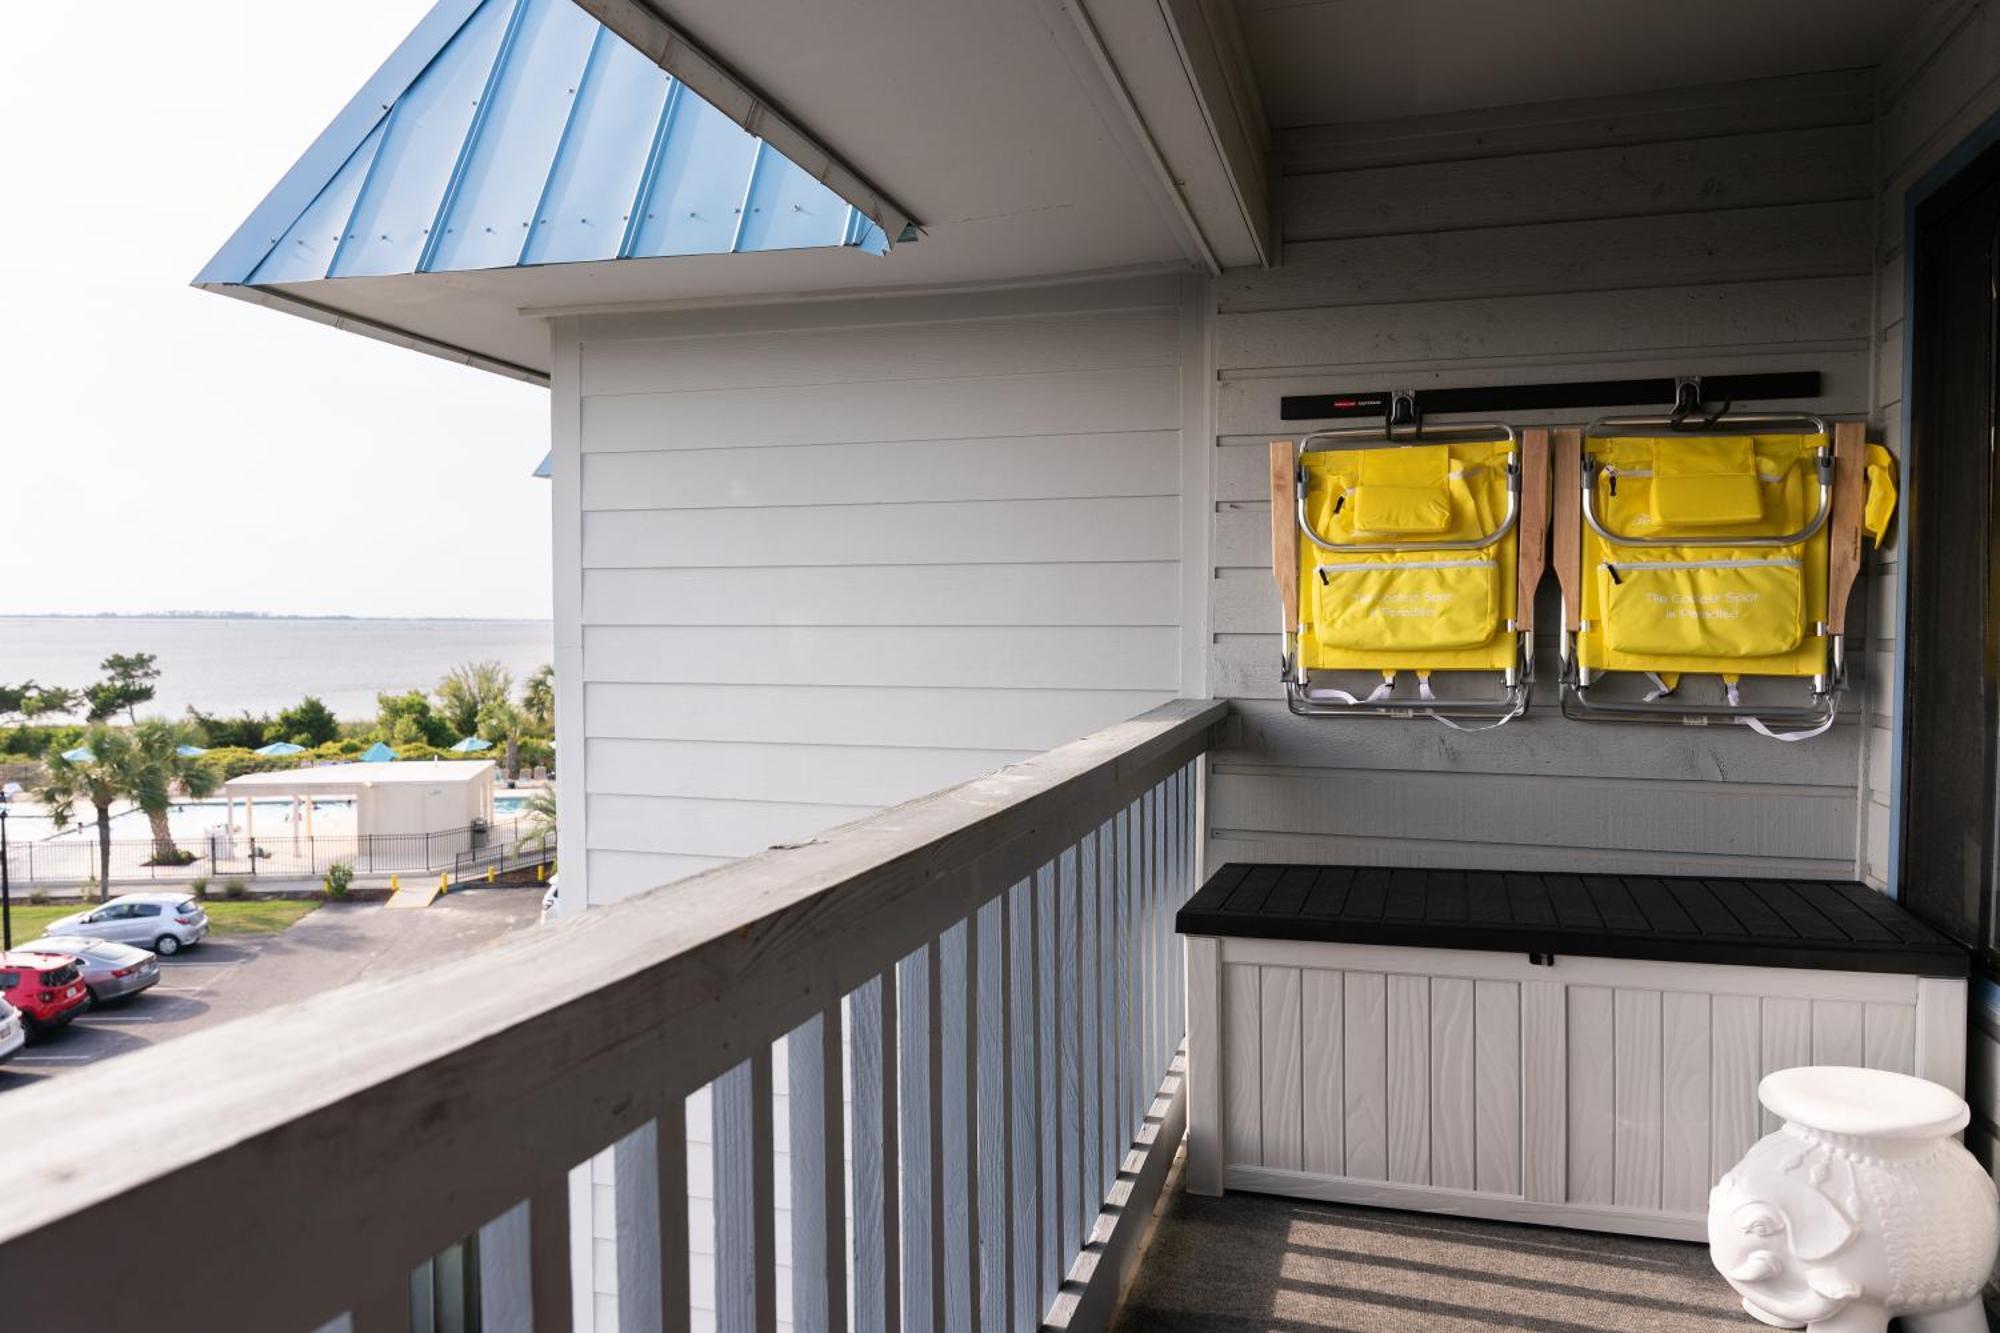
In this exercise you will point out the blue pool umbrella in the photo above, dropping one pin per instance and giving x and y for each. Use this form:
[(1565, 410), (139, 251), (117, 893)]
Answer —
[(82, 754), (280, 747), (378, 753), (189, 751), (471, 744)]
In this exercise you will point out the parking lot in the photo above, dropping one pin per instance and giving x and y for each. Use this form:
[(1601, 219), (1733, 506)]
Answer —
[(227, 977)]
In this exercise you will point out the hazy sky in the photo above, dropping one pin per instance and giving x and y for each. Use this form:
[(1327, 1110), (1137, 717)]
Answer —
[(162, 447)]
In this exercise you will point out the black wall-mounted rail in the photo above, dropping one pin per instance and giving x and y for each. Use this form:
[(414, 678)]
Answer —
[(1662, 391)]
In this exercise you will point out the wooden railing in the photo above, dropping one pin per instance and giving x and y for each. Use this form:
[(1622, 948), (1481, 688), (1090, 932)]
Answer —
[(977, 1000)]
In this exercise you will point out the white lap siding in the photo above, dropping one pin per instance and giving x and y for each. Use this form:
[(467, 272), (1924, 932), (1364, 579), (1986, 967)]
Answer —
[(1714, 231), (827, 557), (834, 556)]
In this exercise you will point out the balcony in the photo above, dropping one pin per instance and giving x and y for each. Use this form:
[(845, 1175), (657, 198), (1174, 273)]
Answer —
[(941, 1044)]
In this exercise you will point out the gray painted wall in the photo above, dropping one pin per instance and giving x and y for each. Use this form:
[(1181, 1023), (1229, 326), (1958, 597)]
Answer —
[(836, 555), (1714, 231)]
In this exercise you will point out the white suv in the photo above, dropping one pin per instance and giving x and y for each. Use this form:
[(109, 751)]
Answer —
[(162, 922), (13, 1032)]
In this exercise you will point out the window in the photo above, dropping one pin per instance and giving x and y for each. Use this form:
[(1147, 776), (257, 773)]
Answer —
[(9, 980), (146, 909)]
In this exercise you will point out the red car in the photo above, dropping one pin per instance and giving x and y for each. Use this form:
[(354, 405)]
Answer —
[(45, 987)]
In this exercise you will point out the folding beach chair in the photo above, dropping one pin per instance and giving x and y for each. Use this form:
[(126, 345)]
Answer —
[(1724, 547), (1399, 556)]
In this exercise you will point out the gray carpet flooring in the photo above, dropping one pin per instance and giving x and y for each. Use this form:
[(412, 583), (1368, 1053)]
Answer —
[(1250, 1264)]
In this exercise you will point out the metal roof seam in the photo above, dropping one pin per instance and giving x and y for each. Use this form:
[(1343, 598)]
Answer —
[(481, 112), (494, 109)]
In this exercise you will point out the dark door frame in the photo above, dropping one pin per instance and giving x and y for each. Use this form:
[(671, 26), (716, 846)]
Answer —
[(1944, 174)]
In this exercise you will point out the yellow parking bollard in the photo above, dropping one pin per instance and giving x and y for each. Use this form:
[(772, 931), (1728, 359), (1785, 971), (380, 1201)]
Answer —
[(541, 872), (393, 884), (489, 874), (444, 885)]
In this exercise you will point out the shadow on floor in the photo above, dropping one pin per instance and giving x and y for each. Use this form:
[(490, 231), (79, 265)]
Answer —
[(1246, 1262)]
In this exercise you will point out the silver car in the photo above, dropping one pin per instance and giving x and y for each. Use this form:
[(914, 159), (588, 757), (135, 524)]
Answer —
[(162, 922), (111, 970)]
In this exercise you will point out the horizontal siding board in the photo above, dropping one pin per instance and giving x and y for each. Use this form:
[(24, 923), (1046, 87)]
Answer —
[(1042, 657), (615, 874), (950, 716), (1719, 818), (680, 826), (1140, 592), (1075, 402), (1103, 340), (1786, 166), (980, 532), (1783, 240), (725, 770), (1705, 316), (1960, 83), (896, 472), (1270, 736), (915, 311), (1798, 101), (1390, 847)]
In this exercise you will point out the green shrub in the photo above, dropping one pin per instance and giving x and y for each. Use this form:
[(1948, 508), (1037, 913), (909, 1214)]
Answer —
[(235, 889), (180, 856), (339, 876), (199, 885), (39, 897)]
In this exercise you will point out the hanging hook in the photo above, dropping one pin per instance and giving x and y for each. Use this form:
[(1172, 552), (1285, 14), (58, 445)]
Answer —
[(1402, 411), (1687, 397)]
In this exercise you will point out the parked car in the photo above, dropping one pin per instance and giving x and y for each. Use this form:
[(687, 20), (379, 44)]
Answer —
[(166, 923), (13, 1032), (45, 987), (111, 971)]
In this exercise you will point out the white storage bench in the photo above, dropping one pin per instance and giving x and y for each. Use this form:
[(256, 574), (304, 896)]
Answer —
[(1572, 1050)]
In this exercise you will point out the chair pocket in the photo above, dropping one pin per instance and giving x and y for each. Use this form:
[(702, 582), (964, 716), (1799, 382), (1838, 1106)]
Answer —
[(1408, 604), (1706, 484), (1402, 510), (1704, 608)]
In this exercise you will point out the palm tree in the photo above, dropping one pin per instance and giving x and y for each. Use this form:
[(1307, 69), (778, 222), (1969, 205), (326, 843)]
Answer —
[(94, 773), (501, 721), (541, 811), (138, 764), (470, 687), (538, 697), (158, 768)]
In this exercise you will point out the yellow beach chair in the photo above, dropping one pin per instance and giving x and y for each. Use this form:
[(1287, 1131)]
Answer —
[(1724, 550), (1405, 556)]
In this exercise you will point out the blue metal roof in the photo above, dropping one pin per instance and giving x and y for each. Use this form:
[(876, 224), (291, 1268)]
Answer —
[(513, 132)]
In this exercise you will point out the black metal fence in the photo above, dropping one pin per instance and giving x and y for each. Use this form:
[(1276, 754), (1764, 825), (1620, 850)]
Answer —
[(74, 859)]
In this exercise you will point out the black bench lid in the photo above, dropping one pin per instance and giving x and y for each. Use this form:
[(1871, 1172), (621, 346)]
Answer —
[(1829, 924)]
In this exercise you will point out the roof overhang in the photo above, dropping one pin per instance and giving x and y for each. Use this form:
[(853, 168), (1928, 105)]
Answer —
[(1030, 141)]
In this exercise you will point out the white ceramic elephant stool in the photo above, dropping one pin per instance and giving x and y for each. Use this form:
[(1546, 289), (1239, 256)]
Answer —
[(1863, 1206)]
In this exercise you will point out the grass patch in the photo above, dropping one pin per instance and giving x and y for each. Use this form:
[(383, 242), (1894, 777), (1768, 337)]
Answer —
[(251, 916)]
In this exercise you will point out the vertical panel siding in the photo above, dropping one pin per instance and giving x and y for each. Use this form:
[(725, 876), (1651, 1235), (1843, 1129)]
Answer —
[(1407, 267), (1621, 1097)]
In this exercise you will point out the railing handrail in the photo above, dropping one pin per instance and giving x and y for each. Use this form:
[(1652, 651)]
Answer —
[(372, 1125)]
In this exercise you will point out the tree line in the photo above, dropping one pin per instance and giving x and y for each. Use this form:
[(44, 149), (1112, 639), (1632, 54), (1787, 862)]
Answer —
[(99, 763)]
